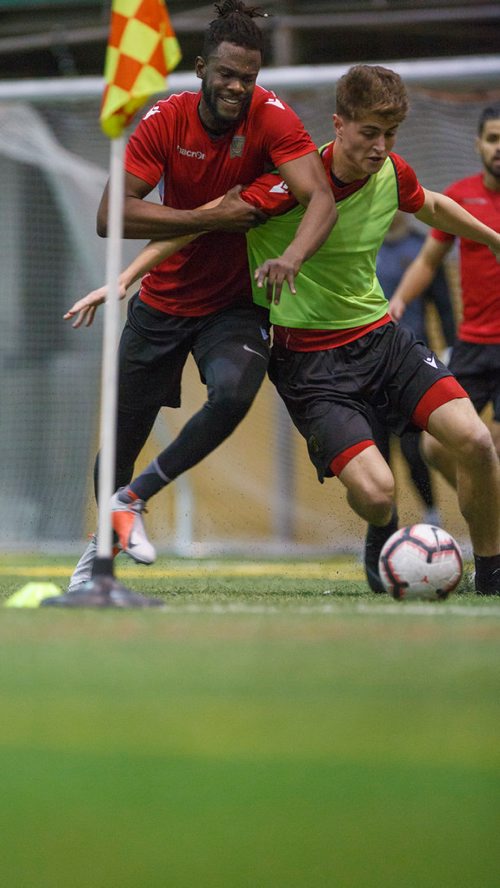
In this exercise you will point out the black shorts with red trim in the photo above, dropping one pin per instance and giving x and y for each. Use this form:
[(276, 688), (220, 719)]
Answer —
[(477, 368), (330, 395)]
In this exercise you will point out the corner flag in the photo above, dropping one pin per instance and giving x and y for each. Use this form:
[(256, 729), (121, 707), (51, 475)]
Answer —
[(142, 50)]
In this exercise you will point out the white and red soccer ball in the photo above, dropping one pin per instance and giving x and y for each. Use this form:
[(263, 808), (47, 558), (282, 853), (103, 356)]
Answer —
[(420, 561)]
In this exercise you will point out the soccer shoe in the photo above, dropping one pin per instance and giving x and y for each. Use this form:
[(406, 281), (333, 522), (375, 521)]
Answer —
[(83, 570), (128, 525), (374, 542)]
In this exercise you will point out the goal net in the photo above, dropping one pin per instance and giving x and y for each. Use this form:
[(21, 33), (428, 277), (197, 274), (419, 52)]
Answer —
[(256, 493)]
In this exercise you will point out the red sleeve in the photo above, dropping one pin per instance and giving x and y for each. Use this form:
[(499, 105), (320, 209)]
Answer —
[(285, 136), (442, 236), (286, 139), (270, 193), (145, 151), (411, 194)]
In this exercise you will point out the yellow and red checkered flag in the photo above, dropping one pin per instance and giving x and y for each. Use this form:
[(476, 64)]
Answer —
[(142, 50)]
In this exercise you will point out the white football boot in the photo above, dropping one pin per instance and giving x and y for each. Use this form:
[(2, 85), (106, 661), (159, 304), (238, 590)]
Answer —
[(128, 525)]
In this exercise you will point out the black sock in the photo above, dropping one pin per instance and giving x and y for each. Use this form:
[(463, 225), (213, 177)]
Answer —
[(374, 542), (149, 482), (383, 533), (487, 574)]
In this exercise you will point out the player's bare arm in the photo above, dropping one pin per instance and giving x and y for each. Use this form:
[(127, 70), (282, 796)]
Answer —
[(418, 276), (152, 254), (145, 219), (306, 179), (442, 212)]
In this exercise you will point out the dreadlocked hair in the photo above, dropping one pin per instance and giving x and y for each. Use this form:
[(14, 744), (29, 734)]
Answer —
[(234, 24)]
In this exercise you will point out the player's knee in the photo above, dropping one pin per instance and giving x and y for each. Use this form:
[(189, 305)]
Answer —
[(475, 448), (373, 501), (234, 397), (379, 508)]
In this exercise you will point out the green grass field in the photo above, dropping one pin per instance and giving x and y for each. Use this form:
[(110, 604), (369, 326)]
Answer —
[(275, 726)]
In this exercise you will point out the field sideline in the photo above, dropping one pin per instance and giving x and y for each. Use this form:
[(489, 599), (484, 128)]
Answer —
[(275, 726)]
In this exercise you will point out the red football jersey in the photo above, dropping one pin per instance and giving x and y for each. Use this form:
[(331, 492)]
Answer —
[(170, 144), (479, 270)]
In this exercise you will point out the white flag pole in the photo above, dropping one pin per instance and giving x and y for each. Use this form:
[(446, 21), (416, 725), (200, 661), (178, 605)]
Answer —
[(109, 372), (103, 590)]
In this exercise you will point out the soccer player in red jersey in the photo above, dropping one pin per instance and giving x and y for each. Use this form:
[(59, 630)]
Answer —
[(475, 358), (197, 146)]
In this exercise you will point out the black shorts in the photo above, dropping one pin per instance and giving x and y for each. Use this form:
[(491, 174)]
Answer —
[(477, 368), (331, 394), (154, 347)]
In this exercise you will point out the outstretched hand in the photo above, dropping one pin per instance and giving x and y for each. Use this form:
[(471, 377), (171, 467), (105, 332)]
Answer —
[(273, 273), (85, 309)]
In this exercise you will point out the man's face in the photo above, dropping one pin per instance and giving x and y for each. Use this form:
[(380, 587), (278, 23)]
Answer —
[(365, 143), (227, 82), (488, 146)]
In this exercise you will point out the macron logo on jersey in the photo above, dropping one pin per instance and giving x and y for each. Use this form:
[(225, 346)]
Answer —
[(276, 102), (281, 188), (154, 110), (198, 155)]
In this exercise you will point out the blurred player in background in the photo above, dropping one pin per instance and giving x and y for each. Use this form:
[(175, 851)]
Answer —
[(401, 244), (475, 358), (337, 354), (199, 146)]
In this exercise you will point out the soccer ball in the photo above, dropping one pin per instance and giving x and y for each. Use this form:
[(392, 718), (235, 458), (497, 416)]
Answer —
[(421, 561)]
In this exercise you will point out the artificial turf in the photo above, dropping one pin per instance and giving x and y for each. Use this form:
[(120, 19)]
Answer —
[(269, 728)]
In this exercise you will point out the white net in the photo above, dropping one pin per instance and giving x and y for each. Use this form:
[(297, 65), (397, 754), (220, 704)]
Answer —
[(258, 492)]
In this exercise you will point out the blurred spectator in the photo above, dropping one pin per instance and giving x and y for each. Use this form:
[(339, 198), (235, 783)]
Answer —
[(475, 360)]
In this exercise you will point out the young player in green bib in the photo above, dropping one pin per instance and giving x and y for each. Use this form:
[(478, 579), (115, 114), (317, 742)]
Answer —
[(337, 355)]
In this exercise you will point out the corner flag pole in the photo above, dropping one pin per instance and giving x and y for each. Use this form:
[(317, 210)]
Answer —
[(142, 50), (109, 371)]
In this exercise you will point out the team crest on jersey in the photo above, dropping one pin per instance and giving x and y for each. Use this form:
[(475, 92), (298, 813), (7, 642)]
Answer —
[(237, 145)]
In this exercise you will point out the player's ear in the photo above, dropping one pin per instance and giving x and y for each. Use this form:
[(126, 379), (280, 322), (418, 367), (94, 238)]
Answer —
[(477, 143), (200, 67), (338, 124)]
